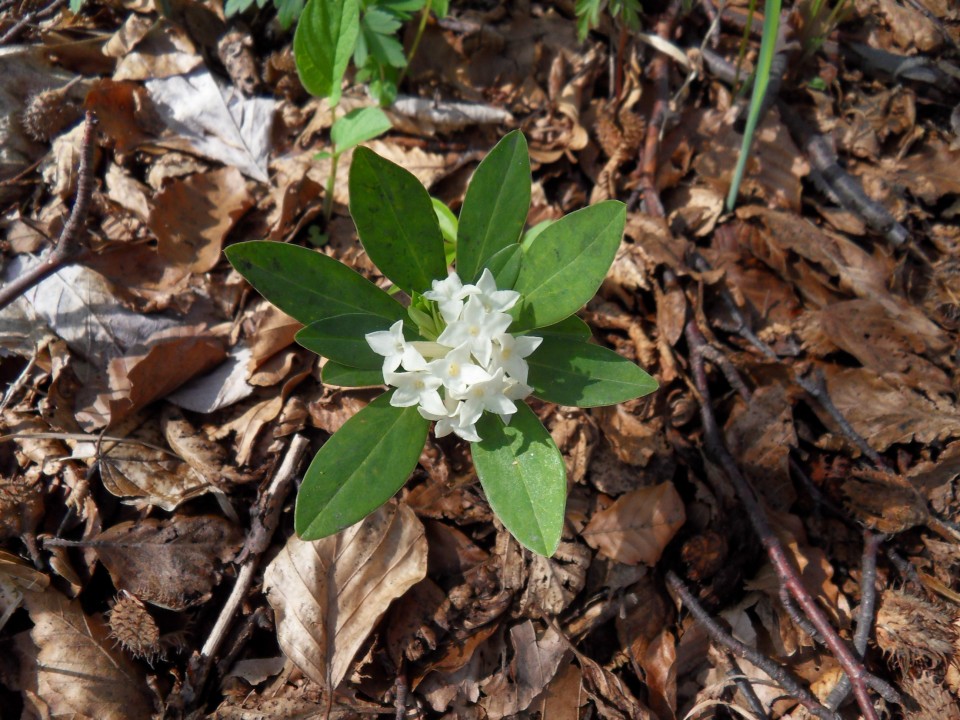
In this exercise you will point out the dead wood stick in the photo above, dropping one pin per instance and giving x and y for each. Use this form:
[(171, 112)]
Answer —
[(14, 30), (746, 687), (660, 75), (273, 497), (69, 246), (786, 571), (775, 670), (865, 613)]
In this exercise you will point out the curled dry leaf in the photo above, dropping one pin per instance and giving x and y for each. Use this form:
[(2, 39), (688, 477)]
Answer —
[(74, 670), (148, 476), (328, 595), (201, 453), (169, 563), (554, 582), (637, 526), (15, 578)]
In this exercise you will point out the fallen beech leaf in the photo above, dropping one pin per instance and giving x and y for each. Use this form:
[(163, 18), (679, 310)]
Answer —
[(205, 456), (120, 110), (535, 664), (563, 697), (328, 595), (148, 374), (555, 581), (15, 577), (169, 563), (148, 476), (637, 526), (74, 670), (191, 217), (215, 121)]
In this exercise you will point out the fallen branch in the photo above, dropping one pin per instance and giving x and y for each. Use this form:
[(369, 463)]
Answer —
[(787, 573), (783, 677), (69, 245), (14, 30), (865, 613), (272, 501)]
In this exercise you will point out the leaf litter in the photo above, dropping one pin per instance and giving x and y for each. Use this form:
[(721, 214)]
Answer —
[(150, 397)]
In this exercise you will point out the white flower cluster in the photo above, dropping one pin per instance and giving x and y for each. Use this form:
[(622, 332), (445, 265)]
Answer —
[(474, 365)]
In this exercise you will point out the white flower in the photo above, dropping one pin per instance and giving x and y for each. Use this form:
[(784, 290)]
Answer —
[(487, 395), (416, 388), (457, 370), (395, 350), (494, 300), (509, 353), (474, 366), (452, 421), (477, 328), (449, 295)]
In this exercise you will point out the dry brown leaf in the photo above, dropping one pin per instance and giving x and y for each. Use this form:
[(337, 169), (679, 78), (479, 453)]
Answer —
[(328, 595), (191, 217), (555, 581), (760, 435), (155, 51), (74, 671), (563, 697), (535, 663), (205, 456), (637, 526), (148, 374), (149, 476), (885, 413), (169, 563), (15, 578)]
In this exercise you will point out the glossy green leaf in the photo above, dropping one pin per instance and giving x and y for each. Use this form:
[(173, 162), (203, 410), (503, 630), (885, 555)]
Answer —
[(359, 468), (571, 372), (308, 285), (341, 339), (563, 267), (504, 265), (496, 205), (323, 44), (396, 221), (570, 328), (358, 126), (523, 476), (333, 373)]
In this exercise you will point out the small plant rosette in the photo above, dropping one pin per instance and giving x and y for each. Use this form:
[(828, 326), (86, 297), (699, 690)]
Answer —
[(471, 345)]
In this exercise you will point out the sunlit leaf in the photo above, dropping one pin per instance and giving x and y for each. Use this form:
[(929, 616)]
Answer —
[(359, 468), (524, 477), (323, 44)]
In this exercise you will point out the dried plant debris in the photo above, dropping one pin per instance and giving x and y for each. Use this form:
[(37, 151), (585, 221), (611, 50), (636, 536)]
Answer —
[(149, 395)]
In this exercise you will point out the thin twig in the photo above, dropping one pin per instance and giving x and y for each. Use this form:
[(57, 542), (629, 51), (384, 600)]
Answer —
[(868, 602), (14, 30), (70, 245), (777, 672), (660, 75), (272, 497), (746, 687), (786, 571)]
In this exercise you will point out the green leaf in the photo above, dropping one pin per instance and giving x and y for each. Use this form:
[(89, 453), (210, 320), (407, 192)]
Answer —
[(563, 267), (571, 372), (446, 219), (523, 476), (386, 49), (288, 11), (334, 373), (359, 468), (396, 221), (768, 41), (231, 8), (378, 20), (308, 285), (504, 265), (76, 6), (441, 8), (358, 126), (323, 43), (570, 328), (496, 205), (341, 339)]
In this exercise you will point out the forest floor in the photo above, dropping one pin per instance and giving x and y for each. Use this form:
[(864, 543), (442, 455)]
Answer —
[(784, 509)]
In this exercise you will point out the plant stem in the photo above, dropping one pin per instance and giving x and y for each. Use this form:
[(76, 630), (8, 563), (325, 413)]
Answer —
[(416, 40)]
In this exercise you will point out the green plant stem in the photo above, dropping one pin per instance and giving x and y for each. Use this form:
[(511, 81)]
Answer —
[(771, 28), (416, 40)]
